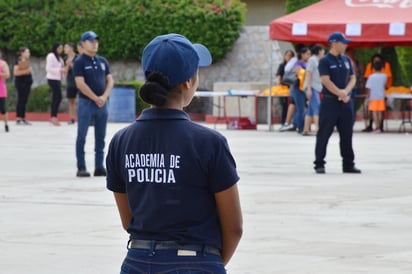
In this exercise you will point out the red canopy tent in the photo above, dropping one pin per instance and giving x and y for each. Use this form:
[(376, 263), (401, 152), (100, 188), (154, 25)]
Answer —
[(368, 23)]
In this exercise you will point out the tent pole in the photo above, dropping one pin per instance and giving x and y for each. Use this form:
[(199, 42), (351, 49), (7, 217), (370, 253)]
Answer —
[(269, 101)]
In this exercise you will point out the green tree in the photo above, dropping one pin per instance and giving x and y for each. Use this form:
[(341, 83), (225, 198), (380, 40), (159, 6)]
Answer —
[(124, 26)]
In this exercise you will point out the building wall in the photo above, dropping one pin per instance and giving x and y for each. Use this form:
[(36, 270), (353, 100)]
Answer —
[(262, 12)]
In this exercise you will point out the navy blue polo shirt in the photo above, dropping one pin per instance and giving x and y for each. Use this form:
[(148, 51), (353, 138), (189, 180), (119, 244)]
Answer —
[(170, 169), (339, 69), (94, 70)]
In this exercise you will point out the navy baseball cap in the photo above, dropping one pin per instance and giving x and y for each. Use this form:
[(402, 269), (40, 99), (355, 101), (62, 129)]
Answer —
[(89, 35), (175, 57), (338, 37)]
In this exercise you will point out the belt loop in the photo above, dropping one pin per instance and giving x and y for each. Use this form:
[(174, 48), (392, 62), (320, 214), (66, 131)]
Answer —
[(205, 250), (152, 248), (128, 244)]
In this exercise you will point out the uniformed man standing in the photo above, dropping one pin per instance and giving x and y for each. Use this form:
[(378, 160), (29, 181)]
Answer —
[(338, 79), (94, 81)]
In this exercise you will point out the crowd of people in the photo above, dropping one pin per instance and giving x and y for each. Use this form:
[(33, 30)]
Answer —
[(326, 90), (88, 78), (59, 64), (325, 95), (301, 110)]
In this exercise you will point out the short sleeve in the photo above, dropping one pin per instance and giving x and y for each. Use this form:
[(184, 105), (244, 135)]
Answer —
[(77, 67), (114, 181), (351, 71), (281, 70), (106, 63), (311, 66), (222, 170), (368, 83), (323, 66)]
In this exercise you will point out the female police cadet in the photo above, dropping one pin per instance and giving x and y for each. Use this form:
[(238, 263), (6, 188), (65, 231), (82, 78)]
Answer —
[(174, 181)]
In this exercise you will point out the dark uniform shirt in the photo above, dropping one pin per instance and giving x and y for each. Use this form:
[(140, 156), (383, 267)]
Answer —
[(339, 69), (94, 70), (170, 169)]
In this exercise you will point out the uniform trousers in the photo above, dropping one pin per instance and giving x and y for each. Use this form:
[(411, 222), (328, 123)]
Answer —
[(141, 261), (335, 113), (88, 111)]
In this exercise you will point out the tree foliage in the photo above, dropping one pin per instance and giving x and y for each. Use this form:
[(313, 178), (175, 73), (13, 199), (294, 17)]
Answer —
[(124, 26), (294, 5)]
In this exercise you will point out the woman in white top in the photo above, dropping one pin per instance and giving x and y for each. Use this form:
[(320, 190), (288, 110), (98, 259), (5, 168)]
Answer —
[(54, 69)]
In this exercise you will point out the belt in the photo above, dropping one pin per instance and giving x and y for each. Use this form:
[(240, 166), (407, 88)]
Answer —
[(152, 245), (329, 96)]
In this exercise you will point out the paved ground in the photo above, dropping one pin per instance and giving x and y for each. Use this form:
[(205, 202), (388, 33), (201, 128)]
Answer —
[(295, 221)]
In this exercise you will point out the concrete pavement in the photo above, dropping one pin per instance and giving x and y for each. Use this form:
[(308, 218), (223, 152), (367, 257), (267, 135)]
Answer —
[(295, 221)]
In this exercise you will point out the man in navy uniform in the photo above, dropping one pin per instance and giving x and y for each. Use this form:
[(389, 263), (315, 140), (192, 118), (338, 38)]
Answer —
[(94, 81), (338, 79)]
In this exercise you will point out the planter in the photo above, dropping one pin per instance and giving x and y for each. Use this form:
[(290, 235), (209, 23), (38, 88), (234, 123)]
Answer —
[(39, 116)]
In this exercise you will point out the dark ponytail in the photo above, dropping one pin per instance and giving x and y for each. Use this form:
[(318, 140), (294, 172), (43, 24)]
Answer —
[(155, 90)]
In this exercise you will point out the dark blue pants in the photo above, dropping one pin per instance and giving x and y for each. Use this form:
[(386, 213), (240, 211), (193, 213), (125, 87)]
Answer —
[(88, 111), (300, 99), (335, 113), (140, 261)]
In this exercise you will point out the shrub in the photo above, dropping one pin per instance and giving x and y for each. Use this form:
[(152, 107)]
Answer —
[(124, 27), (39, 99), (404, 55)]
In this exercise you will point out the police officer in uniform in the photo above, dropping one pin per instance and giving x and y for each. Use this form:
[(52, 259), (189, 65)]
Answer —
[(94, 81), (174, 181), (338, 80)]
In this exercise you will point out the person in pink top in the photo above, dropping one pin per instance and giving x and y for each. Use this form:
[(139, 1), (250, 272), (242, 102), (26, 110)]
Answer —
[(54, 70), (4, 74)]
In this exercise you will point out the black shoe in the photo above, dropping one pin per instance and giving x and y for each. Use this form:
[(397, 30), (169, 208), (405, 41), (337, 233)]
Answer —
[(82, 173), (320, 170), (6, 128), (352, 170), (71, 122), (367, 129), (24, 122), (100, 171)]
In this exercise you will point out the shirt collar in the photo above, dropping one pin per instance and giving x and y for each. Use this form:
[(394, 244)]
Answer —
[(163, 114)]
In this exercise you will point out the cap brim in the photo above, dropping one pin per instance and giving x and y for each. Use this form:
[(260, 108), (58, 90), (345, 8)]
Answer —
[(345, 41), (205, 58), (91, 38)]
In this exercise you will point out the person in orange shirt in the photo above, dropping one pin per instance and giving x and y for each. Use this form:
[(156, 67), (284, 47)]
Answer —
[(386, 69)]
